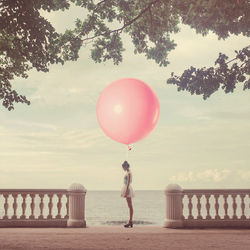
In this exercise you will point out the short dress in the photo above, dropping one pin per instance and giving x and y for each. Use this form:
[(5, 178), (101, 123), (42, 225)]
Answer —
[(130, 189)]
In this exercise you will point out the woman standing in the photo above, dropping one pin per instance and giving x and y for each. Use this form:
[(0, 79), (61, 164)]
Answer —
[(127, 192)]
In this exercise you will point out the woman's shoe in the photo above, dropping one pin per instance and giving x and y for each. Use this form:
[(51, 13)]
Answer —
[(130, 224)]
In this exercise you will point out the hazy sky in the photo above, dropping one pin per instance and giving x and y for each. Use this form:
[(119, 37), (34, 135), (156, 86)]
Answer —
[(57, 140)]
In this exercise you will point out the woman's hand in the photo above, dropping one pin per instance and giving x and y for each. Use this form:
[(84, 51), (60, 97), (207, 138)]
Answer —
[(126, 193)]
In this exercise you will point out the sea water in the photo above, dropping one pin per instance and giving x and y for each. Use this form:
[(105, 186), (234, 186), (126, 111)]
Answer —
[(109, 208)]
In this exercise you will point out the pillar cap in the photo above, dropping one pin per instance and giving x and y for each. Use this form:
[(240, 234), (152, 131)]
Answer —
[(77, 188), (173, 188)]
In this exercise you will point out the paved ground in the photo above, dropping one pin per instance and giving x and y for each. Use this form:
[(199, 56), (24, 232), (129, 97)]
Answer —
[(117, 238)]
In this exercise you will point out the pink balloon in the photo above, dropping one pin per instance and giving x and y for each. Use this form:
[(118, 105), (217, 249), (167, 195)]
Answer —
[(127, 110)]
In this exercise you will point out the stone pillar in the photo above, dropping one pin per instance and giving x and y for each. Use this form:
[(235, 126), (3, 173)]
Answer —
[(76, 194), (174, 213)]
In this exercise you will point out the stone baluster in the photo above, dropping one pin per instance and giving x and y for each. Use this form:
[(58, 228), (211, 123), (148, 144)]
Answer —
[(59, 206), (234, 206), (243, 216), (6, 206), (14, 195), (67, 207), (76, 194), (216, 206), (182, 206), (226, 217), (174, 211), (32, 206), (208, 217), (41, 206), (190, 207), (50, 206), (23, 216), (199, 217)]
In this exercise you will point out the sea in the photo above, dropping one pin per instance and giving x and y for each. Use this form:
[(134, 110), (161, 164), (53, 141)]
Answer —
[(109, 208)]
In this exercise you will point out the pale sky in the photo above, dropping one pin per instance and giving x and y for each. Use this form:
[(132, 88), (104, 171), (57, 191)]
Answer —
[(57, 140)]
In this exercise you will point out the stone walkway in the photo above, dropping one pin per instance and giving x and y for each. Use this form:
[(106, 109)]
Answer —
[(117, 238)]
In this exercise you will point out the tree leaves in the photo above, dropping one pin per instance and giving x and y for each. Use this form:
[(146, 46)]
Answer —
[(221, 17), (27, 40), (205, 81)]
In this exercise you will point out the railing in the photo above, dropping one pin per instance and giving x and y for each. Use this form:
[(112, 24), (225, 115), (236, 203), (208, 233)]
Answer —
[(189, 208), (43, 207), (203, 208)]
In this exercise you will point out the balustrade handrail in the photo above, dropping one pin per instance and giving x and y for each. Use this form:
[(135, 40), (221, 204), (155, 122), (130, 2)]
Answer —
[(62, 191), (219, 191)]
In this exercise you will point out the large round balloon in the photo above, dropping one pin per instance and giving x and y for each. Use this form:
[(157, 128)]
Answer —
[(127, 110)]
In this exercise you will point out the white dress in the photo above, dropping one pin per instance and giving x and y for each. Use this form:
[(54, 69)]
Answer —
[(124, 188)]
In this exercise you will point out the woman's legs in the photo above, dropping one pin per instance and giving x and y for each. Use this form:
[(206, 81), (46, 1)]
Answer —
[(129, 201)]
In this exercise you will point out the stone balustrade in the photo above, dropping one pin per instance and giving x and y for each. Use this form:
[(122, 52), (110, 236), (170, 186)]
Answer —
[(185, 208), (43, 207), (204, 208)]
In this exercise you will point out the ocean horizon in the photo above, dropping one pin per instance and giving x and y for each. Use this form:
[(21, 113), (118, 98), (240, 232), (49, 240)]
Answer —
[(109, 208)]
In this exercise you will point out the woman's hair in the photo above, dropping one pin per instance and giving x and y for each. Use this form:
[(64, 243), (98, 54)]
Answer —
[(125, 164)]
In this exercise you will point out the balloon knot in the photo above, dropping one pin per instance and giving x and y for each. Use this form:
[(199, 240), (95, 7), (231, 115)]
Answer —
[(129, 148)]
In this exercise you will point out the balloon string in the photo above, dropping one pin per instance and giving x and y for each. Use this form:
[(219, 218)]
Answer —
[(127, 151)]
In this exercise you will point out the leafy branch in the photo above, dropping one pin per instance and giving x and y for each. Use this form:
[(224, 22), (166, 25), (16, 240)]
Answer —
[(119, 30), (27, 40), (205, 81)]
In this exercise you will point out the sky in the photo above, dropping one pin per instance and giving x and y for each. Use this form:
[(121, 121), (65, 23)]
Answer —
[(57, 141)]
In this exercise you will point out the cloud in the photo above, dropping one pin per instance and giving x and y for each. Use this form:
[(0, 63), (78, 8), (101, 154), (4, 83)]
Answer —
[(244, 174), (231, 115), (208, 175), (48, 142), (38, 125)]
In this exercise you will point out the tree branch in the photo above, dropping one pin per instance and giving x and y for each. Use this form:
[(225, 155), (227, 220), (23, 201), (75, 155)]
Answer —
[(205, 81), (126, 24)]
